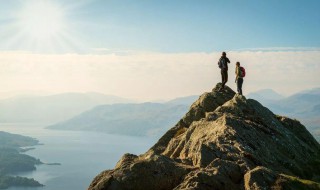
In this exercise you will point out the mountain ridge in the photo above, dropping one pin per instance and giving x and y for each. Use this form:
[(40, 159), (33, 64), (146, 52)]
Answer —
[(145, 119), (267, 94), (223, 142), (303, 106)]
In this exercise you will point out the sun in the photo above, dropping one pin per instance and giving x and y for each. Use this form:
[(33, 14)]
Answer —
[(41, 20), (43, 26)]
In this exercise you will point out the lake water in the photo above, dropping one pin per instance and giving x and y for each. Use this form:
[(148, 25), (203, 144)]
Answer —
[(82, 155)]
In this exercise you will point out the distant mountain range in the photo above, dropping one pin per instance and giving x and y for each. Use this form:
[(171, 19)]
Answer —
[(53, 108), (265, 95), (188, 100), (99, 112), (155, 118), (304, 106), (145, 119)]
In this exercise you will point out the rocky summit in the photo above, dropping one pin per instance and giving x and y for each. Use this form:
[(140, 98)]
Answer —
[(224, 142)]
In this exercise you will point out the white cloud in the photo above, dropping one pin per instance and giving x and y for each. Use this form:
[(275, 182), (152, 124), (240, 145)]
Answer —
[(286, 72), (151, 75)]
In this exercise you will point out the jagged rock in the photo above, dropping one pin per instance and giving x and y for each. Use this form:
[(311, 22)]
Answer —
[(224, 142), (261, 178), (219, 174), (132, 172), (207, 102)]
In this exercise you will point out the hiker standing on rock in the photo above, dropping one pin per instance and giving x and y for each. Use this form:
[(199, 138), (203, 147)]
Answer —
[(240, 73), (223, 65)]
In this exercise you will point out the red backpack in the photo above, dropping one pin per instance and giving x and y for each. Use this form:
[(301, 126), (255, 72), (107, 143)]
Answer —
[(243, 72)]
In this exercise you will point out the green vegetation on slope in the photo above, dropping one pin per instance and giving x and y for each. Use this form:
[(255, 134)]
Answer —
[(291, 182), (11, 160), (7, 181), (13, 140)]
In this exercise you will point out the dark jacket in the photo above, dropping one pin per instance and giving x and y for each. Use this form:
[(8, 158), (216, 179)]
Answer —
[(223, 62)]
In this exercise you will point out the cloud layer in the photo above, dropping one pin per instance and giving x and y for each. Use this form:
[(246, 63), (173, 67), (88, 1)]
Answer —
[(152, 75)]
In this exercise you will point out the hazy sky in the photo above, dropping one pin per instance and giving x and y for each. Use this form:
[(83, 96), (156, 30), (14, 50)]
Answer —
[(157, 49)]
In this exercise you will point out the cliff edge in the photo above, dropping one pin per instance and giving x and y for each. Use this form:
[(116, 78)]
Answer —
[(224, 142)]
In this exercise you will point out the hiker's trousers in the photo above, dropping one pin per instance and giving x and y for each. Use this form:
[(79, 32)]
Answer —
[(224, 76), (239, 85)]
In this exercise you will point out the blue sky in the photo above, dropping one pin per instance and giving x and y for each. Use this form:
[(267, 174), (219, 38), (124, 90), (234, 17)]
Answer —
[(205, 25), (147, 49), (181, 26)]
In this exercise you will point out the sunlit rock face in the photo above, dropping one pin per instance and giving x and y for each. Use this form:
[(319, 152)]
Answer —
[(224, 142)]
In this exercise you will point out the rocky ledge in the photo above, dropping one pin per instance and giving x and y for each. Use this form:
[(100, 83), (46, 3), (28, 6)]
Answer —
[(224, 142)]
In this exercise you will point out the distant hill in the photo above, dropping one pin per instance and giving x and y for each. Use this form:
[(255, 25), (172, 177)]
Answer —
[(137, 119), (128, 119), (301, 103), (11, 160), (265, 95), (16, 141), (53, 108), (316, 109), (304, 106), (311, 91), (188, 100)]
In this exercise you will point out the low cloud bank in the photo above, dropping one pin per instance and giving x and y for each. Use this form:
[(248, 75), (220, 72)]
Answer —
[(152, 75)]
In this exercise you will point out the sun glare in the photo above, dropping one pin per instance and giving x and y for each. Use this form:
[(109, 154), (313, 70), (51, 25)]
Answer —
[(41, 20)]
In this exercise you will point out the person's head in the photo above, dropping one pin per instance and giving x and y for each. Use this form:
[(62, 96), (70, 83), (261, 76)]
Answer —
[(224, 54), (238, 64)]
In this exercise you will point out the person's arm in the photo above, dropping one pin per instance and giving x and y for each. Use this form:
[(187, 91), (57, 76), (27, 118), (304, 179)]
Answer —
[(228, 61), (237, 73)]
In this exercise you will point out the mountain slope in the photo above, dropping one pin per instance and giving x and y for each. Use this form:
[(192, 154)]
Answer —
[(127, 119), (299, 103), (265, 95), (224, 142), (13, 161), (303, 106), (183, 100)]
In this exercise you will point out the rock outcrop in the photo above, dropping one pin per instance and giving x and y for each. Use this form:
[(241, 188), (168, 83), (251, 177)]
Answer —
[(224, 142)]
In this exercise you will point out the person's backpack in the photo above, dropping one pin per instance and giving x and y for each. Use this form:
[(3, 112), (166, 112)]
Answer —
[(221, 62), (243, 72)]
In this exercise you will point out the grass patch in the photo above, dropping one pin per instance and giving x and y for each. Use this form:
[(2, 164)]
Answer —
[(302, 184)]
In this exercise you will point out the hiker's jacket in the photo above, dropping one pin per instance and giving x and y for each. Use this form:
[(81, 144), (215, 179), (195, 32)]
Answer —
[(238, 72), (224, 62)]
